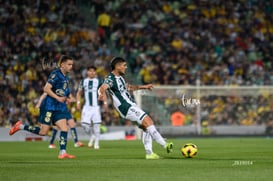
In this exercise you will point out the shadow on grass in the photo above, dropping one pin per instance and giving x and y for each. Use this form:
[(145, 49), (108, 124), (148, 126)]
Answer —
[(202, 158)]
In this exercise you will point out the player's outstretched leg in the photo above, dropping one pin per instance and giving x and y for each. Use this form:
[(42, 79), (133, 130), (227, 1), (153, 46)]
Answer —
[(15, 127), (20, 126), (159, 139), (148, 145)]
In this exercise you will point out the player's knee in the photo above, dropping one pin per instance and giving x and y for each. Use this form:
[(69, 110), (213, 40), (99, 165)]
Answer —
[(146, 122), (97, 128), (71, 123), (43, 133), (142, 127), (62, 125), (44, 130)]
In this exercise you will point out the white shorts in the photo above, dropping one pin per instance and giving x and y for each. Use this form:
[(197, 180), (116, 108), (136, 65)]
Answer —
[(135, 114), (91, 115)]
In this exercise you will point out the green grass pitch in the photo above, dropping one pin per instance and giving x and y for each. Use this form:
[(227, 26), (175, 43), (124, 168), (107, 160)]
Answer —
[(217, 159)]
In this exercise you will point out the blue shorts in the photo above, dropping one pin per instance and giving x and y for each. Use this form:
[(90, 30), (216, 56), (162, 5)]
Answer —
[(51, 117)]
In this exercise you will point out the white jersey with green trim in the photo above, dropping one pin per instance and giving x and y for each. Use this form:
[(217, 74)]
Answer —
[(90, 89), (121, 98)]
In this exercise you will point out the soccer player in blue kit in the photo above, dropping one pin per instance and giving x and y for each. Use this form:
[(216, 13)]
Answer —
[(70, 121), (54, 109)]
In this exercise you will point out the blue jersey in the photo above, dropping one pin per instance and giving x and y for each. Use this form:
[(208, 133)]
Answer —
[(60, 86)]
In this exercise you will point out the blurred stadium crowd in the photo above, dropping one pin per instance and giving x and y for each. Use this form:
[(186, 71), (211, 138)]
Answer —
[(165, 42)]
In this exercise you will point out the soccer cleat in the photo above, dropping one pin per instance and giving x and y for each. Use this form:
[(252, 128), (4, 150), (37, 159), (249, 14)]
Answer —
[(90, 145), (78, 144), (152, 156), (51, 146), (66, 155), (169, 147), (15, 127), (96, 147)]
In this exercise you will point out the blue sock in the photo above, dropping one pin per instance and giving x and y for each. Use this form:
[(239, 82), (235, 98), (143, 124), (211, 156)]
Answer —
[(54, 132), (32, 129), (74, 134), (63, 140)]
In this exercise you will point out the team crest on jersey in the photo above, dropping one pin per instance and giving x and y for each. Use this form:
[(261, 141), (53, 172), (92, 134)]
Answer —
[(65, 85)]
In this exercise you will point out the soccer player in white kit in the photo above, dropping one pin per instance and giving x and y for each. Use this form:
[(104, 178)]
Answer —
[(91, 115), (127, 108)]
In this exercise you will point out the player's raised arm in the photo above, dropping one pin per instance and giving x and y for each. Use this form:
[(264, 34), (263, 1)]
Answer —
[(137, 87)]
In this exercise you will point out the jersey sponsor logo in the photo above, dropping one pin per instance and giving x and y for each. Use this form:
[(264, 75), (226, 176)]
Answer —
[(60, 92)]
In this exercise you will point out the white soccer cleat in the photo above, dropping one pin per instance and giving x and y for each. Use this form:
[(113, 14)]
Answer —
[(78, 144), (90, 145), (51, 146)]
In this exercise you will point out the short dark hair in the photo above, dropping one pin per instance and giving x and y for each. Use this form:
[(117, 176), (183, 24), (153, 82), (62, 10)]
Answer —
[(63, 59), (115, 61), (91, 67)]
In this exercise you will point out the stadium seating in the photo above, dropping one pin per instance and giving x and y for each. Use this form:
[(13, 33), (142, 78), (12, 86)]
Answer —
[(165, 43)]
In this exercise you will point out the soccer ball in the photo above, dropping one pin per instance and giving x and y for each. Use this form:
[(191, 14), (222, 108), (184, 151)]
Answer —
[(189, 150)]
